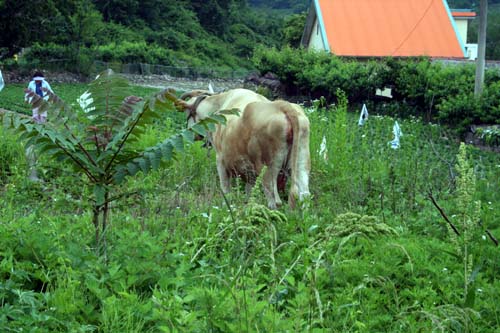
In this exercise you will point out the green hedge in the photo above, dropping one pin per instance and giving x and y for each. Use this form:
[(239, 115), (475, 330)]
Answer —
[(433, 90)]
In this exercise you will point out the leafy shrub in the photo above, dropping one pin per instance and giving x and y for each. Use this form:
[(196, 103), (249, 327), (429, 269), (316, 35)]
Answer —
[(243, 39), (460, 110), (420, 87), (489, 112), (132, 52), (490, 136), (45, 52), (58, 57), (460, 106)]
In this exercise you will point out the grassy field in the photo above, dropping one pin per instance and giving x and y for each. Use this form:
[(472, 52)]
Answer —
[(368, 253)]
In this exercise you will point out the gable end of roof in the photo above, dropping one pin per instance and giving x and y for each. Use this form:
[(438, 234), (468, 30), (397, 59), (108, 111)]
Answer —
[(311, 17), (314, 15), (457, 34)]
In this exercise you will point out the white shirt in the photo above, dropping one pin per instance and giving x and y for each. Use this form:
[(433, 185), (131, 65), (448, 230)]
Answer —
[(45, 85)]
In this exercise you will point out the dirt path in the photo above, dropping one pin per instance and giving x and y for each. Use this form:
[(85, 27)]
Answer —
[(156, 81), (184, 84)]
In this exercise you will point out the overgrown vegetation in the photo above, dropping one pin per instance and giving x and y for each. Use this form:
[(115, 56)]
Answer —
[(369, 253)]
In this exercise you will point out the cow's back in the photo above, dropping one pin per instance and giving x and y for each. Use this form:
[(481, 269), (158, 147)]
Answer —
[(240, 98), (250, 141)]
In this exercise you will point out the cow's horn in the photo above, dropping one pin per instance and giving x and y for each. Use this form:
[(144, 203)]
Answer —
[(179, 104), (195, 93)]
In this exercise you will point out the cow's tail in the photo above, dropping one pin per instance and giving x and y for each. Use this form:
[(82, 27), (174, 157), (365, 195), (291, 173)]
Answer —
[(299, 161)]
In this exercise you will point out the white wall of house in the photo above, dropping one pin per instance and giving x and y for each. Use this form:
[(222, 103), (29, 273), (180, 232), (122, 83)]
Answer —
[(316, 41), (462, 25)]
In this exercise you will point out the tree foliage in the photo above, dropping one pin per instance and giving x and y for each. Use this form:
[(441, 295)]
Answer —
[(293, 29), (492, 30), (215, 32)]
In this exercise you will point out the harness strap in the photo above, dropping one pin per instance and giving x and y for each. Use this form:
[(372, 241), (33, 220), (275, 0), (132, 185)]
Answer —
[(192, 111)]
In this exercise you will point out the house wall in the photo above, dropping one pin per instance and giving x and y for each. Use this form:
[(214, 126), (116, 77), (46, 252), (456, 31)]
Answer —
[(462, 25), (316, 41)]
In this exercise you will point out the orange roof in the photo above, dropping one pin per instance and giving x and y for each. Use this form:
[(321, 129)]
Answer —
[(398, 28), (463, 14)]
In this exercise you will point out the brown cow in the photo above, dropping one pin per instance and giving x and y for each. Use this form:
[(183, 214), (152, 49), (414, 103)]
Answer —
[(265, 133)]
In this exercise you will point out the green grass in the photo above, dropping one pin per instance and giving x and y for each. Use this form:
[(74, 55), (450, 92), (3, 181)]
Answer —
[(179, 260), (12, 96)]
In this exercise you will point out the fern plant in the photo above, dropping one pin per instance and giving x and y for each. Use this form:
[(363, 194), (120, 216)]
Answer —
[(100, 142)]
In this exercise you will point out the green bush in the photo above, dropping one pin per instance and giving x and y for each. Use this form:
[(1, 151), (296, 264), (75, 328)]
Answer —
[(420, 87), (57, 57), (132, 52), (461, 110), (490, 104), (45, 52)]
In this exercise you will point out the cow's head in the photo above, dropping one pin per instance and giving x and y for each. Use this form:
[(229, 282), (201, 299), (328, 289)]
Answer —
[(189, 103)]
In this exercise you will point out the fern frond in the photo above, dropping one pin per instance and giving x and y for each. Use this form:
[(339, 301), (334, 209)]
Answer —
[(60, 113), (48, 139), (165, 151), (108, 92)]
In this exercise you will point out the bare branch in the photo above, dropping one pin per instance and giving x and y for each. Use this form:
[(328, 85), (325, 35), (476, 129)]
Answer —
[(431, 197)]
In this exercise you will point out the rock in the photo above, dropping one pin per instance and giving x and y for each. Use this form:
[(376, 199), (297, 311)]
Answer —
[(269, 80)]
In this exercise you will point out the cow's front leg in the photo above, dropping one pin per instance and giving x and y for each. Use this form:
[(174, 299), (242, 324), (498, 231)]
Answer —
[(224, 178)]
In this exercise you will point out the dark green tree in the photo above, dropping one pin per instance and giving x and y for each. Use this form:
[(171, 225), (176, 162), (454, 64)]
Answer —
[(293, 29), (492, 33), (84, 25), (118, 11), (213, 15), (24, 22)]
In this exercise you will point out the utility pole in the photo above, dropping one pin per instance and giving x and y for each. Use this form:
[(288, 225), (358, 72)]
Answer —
[(483, 15)]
